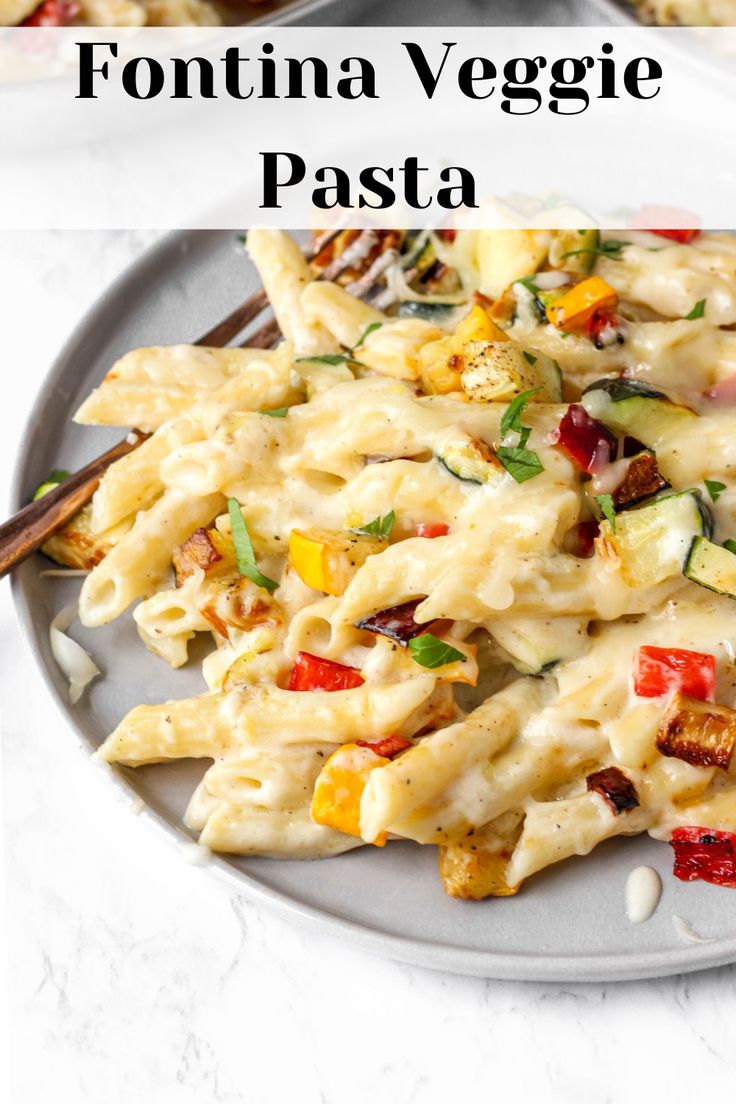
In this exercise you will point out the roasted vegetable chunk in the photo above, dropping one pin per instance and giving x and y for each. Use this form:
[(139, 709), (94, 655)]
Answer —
[(77, 546), (397, 622), (389, 747), (698, 732), (442, 362), (642, 480), (573, 310), (614, 787), (658, 671), (197, 551), (475, 867), (469, 458), (327, 561), (339, 789), (705, 854), (497, 371), (314, 673)]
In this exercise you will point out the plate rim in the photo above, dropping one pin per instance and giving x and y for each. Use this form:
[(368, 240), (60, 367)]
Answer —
[(452, 958)]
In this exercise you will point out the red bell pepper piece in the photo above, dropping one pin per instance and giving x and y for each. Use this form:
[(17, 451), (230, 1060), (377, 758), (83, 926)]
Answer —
[(604, 328), (310, 672), (654, 214), (706, 854), (683, 235), (389, 747), (659, 670), (581, 542), (53, 13), (585, 440), (432, 529)]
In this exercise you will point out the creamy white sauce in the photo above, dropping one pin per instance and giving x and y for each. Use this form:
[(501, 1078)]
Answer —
[(195, 853), (547, 281), (74, 662), (596, 404), (606, 481), (643, 891), (687, 932)]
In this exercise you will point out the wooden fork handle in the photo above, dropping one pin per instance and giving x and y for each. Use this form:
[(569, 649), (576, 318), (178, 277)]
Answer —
[(27, 530)]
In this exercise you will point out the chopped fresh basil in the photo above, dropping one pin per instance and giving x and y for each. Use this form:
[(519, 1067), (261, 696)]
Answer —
[(698, 310), (511, 421), (379, 527), (57, 476), (714, 489), (521, 463), (366, 333), (528, 283), (605, 501), (428, 651), (611, 249), (279, 412), (328, 358), (244, 551), (530, 359), (730, 545)]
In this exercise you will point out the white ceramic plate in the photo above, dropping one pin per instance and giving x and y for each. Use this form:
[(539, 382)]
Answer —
[(566, 924)]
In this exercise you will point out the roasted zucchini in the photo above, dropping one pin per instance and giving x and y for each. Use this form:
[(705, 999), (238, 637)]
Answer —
[(636, 409), (712, 566), (653, 542)]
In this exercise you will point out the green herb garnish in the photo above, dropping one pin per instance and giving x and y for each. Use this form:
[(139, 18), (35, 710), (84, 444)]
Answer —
[(730, 545), (611, 249), (243, 238), (366, 333), (511, 421), (379, 527), (520, 462), (698, 310), (278, 412), (605, 501), (244, 551), (327, 358), (528, 283), (530, 359), (58, 475), (714, 489), (428, 651)]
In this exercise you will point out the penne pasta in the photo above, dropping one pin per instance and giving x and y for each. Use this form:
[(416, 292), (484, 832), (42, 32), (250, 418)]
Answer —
[(465, 563)]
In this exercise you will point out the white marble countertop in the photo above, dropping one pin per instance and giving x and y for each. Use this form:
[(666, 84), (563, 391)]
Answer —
[(137, 977)]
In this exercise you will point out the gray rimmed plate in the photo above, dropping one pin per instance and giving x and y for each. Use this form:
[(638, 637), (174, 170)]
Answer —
[(568, 923)]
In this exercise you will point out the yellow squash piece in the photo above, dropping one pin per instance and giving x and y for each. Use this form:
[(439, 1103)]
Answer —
[(505, 255), (498, 371), (478, 326), (441, 362), (475, 867), (326, 560), (339, 789), (572, 310)]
